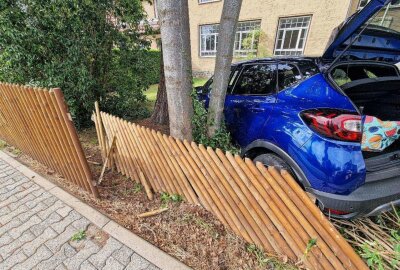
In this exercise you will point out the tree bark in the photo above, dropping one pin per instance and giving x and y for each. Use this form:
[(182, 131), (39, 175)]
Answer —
[(226, 39), (175, 37), (160, 113)]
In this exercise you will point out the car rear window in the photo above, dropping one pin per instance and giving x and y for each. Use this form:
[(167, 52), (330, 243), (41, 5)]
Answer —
[(348, 73)]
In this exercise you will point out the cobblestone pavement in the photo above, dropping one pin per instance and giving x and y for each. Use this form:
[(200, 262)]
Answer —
[(36, 230)]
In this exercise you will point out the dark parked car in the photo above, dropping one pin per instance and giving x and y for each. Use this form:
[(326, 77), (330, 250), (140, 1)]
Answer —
[(304, 115)]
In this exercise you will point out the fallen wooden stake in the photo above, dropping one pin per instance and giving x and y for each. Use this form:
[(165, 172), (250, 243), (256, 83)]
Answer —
[(146, 186), (106, 160), (94, 162), (152, 213)]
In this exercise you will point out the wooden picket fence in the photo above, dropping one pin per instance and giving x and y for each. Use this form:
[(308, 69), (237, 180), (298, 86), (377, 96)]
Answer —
[(261, 205), (37, 122)]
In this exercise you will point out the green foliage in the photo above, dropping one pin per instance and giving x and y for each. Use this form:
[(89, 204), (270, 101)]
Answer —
[(221, 139), (263, 259), (78, 236), (78, 46), (373, 256), (152, 59), (166, 198), (310, 244), (3, 144)]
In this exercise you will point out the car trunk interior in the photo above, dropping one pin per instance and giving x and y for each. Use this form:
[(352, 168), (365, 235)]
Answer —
[(375, 95)]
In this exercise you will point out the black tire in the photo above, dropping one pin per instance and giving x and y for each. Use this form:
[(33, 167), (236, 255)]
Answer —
[(273, 160)]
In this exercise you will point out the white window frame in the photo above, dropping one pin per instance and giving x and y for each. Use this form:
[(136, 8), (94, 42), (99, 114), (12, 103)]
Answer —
[(237, 53), (207, 1), (361, 7), (205, 52), (244, 52), (298, 50), (360, 2)]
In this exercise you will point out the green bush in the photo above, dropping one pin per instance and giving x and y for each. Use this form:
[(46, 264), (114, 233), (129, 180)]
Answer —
[(221, 139), (74, 45), (152, 62)]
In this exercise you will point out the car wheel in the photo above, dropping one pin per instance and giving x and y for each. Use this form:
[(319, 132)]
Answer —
[(273, 160)]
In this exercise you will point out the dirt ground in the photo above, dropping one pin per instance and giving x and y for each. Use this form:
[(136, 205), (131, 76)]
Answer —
[(187, 232)]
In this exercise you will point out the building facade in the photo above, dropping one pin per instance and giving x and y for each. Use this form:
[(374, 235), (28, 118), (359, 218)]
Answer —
[(265, 28)]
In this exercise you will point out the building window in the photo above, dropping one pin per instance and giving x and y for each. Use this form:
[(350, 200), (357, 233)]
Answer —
[(246, 38), (362, 3), (208, 39), (292, 35)]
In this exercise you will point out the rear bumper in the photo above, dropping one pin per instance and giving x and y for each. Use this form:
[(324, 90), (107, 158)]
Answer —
[(370, 199)]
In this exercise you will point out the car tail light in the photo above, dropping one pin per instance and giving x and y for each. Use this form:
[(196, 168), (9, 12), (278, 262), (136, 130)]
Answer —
[(335, 212), (335, 124)]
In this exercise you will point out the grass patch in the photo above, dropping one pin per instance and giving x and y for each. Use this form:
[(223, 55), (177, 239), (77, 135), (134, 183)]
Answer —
[(2, 145), (376, 239), (78, 236), (151, 93)]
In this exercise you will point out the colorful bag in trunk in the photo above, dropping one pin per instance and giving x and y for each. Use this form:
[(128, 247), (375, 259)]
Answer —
[(378, 134)]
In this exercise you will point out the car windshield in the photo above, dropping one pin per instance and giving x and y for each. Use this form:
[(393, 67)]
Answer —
[(387, 19)]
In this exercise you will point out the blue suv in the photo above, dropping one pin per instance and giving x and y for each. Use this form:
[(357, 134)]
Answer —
[(304, 114)]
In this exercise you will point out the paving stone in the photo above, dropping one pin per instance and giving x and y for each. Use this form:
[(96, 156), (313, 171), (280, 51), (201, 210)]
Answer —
[(24, 200), (8, 263), (14, 198), (81, 224), (123, 255), (64, 211), (5, 239), (113, 264), (57, 259), (45, 213), (18, 231), (50, 201), (6, 218), (62, 224), (137, 263), (75, 261), (55, 244), (86, 265), (40, 192), (41, 254), (4, 210), (61, 267), (26, 215), (7, 250), (39, 228), (8, 226), (99, 259), (152, 267), (30, 247), (31, 189), (38, 199)]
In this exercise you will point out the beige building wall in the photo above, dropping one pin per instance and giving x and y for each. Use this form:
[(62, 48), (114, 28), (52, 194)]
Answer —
[(326, 15)]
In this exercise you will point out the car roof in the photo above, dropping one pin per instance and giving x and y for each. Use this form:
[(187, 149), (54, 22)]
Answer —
[(274, 59)]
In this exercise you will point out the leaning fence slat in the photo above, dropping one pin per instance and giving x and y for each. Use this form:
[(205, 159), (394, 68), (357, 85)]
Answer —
[(303, 216)]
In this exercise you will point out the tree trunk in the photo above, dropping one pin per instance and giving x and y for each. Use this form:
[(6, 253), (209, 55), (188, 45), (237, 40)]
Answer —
[(226, 39), (160, 113), (175, 37)]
